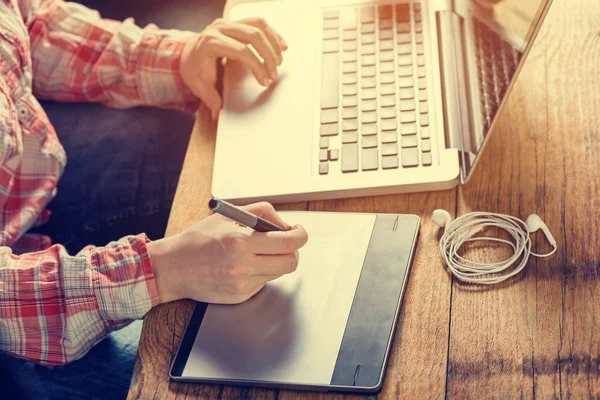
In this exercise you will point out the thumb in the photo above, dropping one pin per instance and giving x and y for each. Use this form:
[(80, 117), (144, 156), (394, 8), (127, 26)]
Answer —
[(265, 210), (210, 97)]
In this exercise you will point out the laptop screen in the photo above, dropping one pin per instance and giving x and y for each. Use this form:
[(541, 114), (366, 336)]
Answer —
[(497, 35)]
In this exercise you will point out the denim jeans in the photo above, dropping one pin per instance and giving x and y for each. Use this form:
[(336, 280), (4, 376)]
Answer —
[(121, 175)]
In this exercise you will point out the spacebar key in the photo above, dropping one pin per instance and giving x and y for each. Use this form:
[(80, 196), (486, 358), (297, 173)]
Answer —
[(330, 80), (350, 157)]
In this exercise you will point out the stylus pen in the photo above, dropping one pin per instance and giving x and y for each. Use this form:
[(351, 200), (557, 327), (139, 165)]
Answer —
[(242, 216)]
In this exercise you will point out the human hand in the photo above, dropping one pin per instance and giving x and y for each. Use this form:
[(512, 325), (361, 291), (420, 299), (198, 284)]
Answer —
[(198, 65), (217, 260)]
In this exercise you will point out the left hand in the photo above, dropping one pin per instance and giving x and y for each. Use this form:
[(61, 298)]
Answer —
[(198, 65)]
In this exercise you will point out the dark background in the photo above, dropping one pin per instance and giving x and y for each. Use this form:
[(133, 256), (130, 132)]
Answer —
[(191, 15)]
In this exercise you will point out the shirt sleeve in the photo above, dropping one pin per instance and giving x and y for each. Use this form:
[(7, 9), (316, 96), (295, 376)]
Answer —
[(78, 56), (54, 307)]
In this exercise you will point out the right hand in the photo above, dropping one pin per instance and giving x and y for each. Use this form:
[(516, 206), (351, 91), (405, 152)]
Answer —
[(218, 261)]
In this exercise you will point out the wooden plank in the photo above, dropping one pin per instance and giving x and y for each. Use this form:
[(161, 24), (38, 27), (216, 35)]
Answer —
[(537, 336)]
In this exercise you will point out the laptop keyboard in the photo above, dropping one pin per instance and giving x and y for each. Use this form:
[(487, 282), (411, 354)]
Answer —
[(497, 62), (374, 102)]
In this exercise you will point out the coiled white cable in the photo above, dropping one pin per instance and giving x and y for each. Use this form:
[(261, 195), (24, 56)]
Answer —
[(463, 230)]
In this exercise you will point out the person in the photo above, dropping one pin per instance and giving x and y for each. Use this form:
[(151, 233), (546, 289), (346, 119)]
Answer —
[(82, 253)]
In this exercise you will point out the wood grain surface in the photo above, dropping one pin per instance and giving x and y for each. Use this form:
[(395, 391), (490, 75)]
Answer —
[(535, 336)]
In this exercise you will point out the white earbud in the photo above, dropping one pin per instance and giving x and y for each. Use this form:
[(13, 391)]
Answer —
[(442, 218), (534, 223)]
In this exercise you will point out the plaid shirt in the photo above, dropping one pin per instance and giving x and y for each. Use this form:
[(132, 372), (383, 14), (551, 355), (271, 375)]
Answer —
[(54, 306)]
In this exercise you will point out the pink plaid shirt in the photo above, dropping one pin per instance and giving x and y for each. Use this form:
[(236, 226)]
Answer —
[(54, 306)]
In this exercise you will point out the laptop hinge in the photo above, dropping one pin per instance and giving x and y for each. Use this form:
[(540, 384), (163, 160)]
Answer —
[(457, 115)]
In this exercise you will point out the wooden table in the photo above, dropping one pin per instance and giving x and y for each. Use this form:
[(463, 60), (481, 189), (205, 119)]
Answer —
[(537, 336)]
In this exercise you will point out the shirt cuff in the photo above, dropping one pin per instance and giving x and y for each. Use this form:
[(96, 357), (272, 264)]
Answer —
[(123, 279), (157, 66)]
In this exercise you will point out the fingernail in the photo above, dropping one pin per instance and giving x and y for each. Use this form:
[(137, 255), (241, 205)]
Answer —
[(267, 82), (283, 42)]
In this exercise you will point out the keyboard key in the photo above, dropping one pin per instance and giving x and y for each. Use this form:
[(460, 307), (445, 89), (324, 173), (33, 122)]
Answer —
[(367, 14), (350, 35), (330, 80), (423, 95), (386, 45), (410, 157), (406, 70), (386, 56), (421, 72), (350, 57), (349, 67), (369, 117), (370, 159), (386, 66), (406, 94), (368, 49), (419, 27), (419, 39), (331, 34), (417, 6), (422, 83), (350, 137), (367, 38), (418, 17), (368, 94), (408, 117), (387, 88), (368, 129), (331, 46), (349, 90), (386, 34), (367, 60), (386, 24), (350, 113), (423, 107), (331, 24), (403, 27), (349, 78), (368, 142), (424, 120), (349, 101), (369, 105), (408, 129), (333, 154), (349, 46), (408, 141), (408, 105), (369, 82), (389, 149), (425, 132), (405, 60), (348, 18), (349, 157), (329, 129), (368, 71), (404, 38), (426, 146), (404, 49), (322, 155), (389, 162), (387, 101), (324, 143), (420, 61), (420, 50), (387, 113), (349, 125), (367, 28), (331, 14), (406, 82), (387, 77), (388, 125), (323, 168), (329, 116), (385, 12), (403, 12), (426, 157), (389, 137)]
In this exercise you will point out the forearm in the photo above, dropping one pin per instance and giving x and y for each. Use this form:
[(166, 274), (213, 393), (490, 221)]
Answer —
[(54, 307)]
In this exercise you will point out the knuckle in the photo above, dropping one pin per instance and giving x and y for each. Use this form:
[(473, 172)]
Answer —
[(218, 22), (260, 21), (293, 262)]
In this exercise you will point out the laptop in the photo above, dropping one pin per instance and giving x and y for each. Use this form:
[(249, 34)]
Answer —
[(373, 97)]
